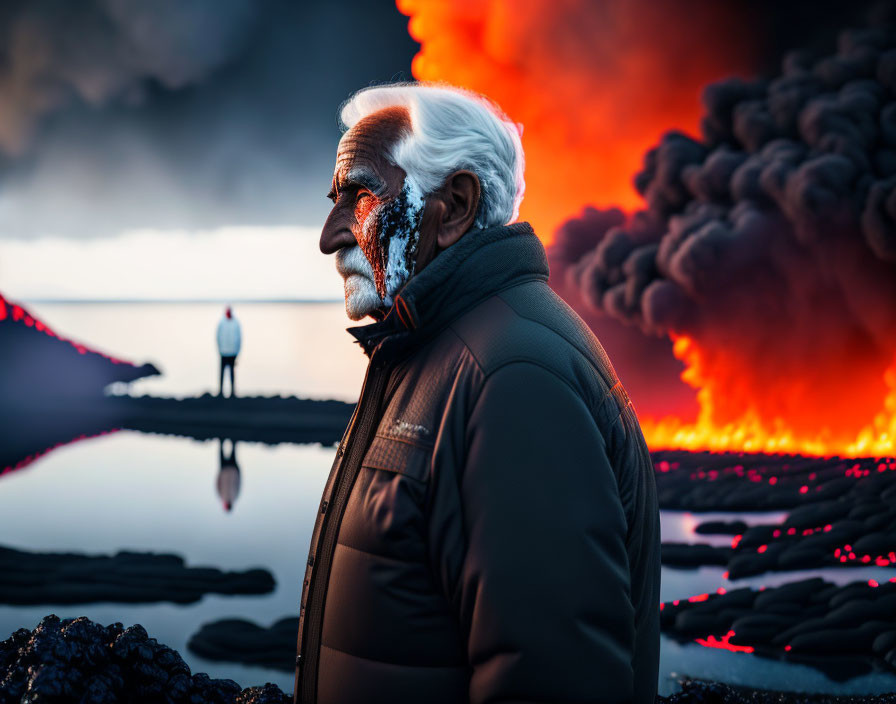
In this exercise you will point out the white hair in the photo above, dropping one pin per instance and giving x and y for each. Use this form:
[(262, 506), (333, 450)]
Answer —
[(452, 129)]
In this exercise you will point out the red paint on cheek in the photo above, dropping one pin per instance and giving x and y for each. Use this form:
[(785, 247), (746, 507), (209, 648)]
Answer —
[(368, 239), (363, 208)]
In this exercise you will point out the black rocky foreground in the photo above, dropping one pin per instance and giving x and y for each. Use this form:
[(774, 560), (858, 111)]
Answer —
[(126, 577), (842, 512), (76, 660)]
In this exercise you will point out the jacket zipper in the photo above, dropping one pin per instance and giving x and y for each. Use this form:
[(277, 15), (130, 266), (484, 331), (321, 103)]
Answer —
[(368, 417)]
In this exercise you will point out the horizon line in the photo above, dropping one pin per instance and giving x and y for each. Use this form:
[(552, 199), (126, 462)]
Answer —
[(223, 301)]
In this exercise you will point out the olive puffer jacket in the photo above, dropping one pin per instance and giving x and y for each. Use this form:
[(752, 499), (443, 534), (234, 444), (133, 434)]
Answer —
[(489, 531)]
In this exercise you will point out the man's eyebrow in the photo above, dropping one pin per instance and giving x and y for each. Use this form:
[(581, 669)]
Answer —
[(364, 177)]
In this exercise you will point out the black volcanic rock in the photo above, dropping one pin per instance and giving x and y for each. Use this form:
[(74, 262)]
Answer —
[(237, 640), (127, 577), (76, 660), (721, 528), (808, 620), (694, 554)]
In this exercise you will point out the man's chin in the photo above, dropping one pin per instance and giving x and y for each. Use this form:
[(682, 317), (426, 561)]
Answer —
[(361, 298), (356, 314)]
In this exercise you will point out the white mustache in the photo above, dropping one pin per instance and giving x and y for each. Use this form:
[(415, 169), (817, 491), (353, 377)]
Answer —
[(351, 261), (361, 297)]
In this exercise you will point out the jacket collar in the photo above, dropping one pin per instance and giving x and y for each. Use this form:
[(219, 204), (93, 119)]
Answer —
[(482, 263)]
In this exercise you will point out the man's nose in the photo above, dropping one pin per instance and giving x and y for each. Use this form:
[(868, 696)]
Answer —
[(336, 233)]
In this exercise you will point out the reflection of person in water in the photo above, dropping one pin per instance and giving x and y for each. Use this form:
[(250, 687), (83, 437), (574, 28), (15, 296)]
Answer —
[(228, 475), (229, 340)]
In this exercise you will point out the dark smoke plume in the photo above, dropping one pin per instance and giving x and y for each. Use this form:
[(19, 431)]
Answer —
[(770, 241)]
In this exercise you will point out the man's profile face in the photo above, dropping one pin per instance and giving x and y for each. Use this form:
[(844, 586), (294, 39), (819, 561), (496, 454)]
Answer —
[(374, 226)]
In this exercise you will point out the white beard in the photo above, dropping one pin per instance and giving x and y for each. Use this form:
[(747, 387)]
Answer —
[(361, 297)]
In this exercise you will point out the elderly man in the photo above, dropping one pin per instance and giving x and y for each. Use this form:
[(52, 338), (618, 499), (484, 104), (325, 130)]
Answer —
[(489, 531)]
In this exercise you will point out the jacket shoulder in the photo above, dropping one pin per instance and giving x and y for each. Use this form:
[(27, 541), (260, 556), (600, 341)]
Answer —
[(530, 323)]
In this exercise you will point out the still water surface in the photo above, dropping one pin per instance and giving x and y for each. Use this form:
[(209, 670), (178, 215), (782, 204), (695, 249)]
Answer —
[(158, 493)]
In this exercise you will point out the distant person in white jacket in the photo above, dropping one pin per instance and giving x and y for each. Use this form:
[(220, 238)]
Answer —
[(229, 339)]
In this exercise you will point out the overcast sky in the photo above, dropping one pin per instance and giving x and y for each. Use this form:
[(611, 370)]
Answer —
[(211, 123)]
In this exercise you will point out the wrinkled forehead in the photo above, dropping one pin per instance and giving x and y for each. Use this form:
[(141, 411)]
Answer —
[(370, 140)]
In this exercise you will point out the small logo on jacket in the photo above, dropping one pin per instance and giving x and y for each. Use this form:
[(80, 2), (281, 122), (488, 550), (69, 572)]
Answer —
[(414, 430)]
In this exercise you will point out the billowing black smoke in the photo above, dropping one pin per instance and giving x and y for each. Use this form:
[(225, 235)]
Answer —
[(770, 241)]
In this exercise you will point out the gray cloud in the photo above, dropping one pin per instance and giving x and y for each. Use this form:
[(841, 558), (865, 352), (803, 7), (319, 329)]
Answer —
[(180, 113)]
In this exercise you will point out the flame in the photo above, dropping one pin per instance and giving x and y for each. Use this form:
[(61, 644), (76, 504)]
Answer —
[(593, 84), (753, 430)]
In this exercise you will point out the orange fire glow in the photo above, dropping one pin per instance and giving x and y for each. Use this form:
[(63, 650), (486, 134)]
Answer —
[(729, 421), (593, 84)]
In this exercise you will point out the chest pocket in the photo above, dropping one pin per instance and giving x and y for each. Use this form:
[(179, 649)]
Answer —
[(385, 511), (399, 455)]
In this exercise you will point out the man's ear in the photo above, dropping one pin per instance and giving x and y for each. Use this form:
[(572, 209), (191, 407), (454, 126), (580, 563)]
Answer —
[(460, 201)]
